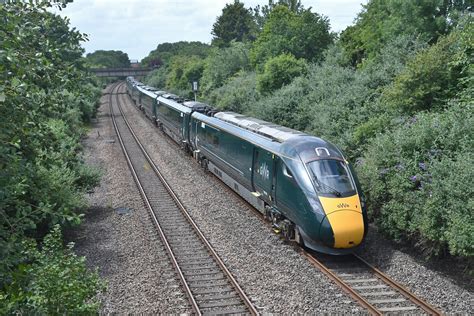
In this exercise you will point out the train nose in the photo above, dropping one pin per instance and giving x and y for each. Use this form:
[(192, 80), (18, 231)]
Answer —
[(342, 229)]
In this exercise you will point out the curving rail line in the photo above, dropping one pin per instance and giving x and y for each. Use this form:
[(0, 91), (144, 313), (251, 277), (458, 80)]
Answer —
[(209, 285)]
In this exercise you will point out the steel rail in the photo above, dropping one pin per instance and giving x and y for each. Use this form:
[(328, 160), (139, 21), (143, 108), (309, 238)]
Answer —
[(401, 289), (188, 292), (182, 208), (362, 301)]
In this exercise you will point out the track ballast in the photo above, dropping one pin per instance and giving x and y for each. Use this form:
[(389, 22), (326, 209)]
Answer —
[(210, 287)]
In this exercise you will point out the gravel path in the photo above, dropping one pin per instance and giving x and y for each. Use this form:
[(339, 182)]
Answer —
[(125, 248)]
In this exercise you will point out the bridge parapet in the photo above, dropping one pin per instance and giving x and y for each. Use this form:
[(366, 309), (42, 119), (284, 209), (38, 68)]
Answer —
[(121, 72)]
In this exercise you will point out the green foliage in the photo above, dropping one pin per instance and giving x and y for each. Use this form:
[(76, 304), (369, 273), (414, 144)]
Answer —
[(303, 34), (182, 72), (284, 105), (238, 94), (222, 64), (236, 23), (51, 281), (261, 13), (417, 180), (157, 78), (383, 20), (166, 51), (45, 98), (279, 71), (107, 59), (434, 75)]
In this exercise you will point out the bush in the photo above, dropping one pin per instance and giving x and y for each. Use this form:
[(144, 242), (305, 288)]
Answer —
[(284, 105), (46, 96), (279, 71), (182, 72), (303, 34), (237, 94), (434, 75), (416, 179), (51, 281), (222, 64), (157, 78)]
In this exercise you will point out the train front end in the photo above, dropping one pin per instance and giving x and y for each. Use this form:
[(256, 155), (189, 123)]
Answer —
[(334, 217)]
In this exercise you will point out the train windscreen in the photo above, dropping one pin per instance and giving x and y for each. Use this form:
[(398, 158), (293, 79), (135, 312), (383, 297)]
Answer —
[(331, 177)]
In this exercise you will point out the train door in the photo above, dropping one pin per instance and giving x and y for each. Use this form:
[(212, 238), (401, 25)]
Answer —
[(262, 175)]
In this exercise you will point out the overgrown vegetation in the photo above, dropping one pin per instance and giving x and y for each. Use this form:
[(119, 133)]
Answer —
[(45, 98), (394, 91), (107, 59)]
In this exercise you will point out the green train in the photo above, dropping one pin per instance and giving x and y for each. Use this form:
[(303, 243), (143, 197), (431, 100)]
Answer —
[(301, 183)]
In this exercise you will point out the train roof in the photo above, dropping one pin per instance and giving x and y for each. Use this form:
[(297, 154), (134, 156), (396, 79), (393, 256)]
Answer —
[(273, 131), (171, 96), (172, 103), (151, 94), (277, 139), (196, 106)]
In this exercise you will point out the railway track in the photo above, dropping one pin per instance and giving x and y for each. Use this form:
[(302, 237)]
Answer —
[(368, 286), (209, 285), (373, 289)]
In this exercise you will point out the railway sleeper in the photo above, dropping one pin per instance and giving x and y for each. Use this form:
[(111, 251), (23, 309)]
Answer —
[(211, 290), (192, 274), (206, 277), (224, 303), (212, 284), (217, 297)]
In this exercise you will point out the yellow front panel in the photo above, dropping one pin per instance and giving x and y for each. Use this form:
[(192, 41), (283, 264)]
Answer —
[(345, 217), (336, 204), (348, 228)]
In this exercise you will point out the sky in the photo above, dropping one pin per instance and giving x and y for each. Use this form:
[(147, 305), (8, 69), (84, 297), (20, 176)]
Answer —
[(137, 26)]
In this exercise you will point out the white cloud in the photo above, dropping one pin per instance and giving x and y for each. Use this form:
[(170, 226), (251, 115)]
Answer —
[(138, 26)]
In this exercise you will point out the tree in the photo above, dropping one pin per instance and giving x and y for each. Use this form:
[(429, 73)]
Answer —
[(108, 59), (279, 71), (222, 64), (383, 20), (304, 35), (165, 51), (261, 13), (45, 98), (182, 71), (236, 23)]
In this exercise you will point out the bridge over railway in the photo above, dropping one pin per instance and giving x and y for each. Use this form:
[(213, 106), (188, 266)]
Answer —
[(121, 72)]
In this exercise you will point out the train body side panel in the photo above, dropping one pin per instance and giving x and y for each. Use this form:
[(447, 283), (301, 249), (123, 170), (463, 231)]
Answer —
[(172, 120), (147, 104), (228, 152)]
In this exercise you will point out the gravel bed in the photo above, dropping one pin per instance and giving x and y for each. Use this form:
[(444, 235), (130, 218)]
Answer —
[(434, 282), (272, 273), (125, 247)]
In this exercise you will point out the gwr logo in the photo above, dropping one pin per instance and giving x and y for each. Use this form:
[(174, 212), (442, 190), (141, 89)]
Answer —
[(343, 205), (263, 171)]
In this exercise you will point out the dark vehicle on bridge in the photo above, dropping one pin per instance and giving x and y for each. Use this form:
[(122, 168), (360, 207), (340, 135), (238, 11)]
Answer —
[(301, 183)]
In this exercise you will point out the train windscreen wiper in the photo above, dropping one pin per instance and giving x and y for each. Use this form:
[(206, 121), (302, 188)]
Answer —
[(328, 187)]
